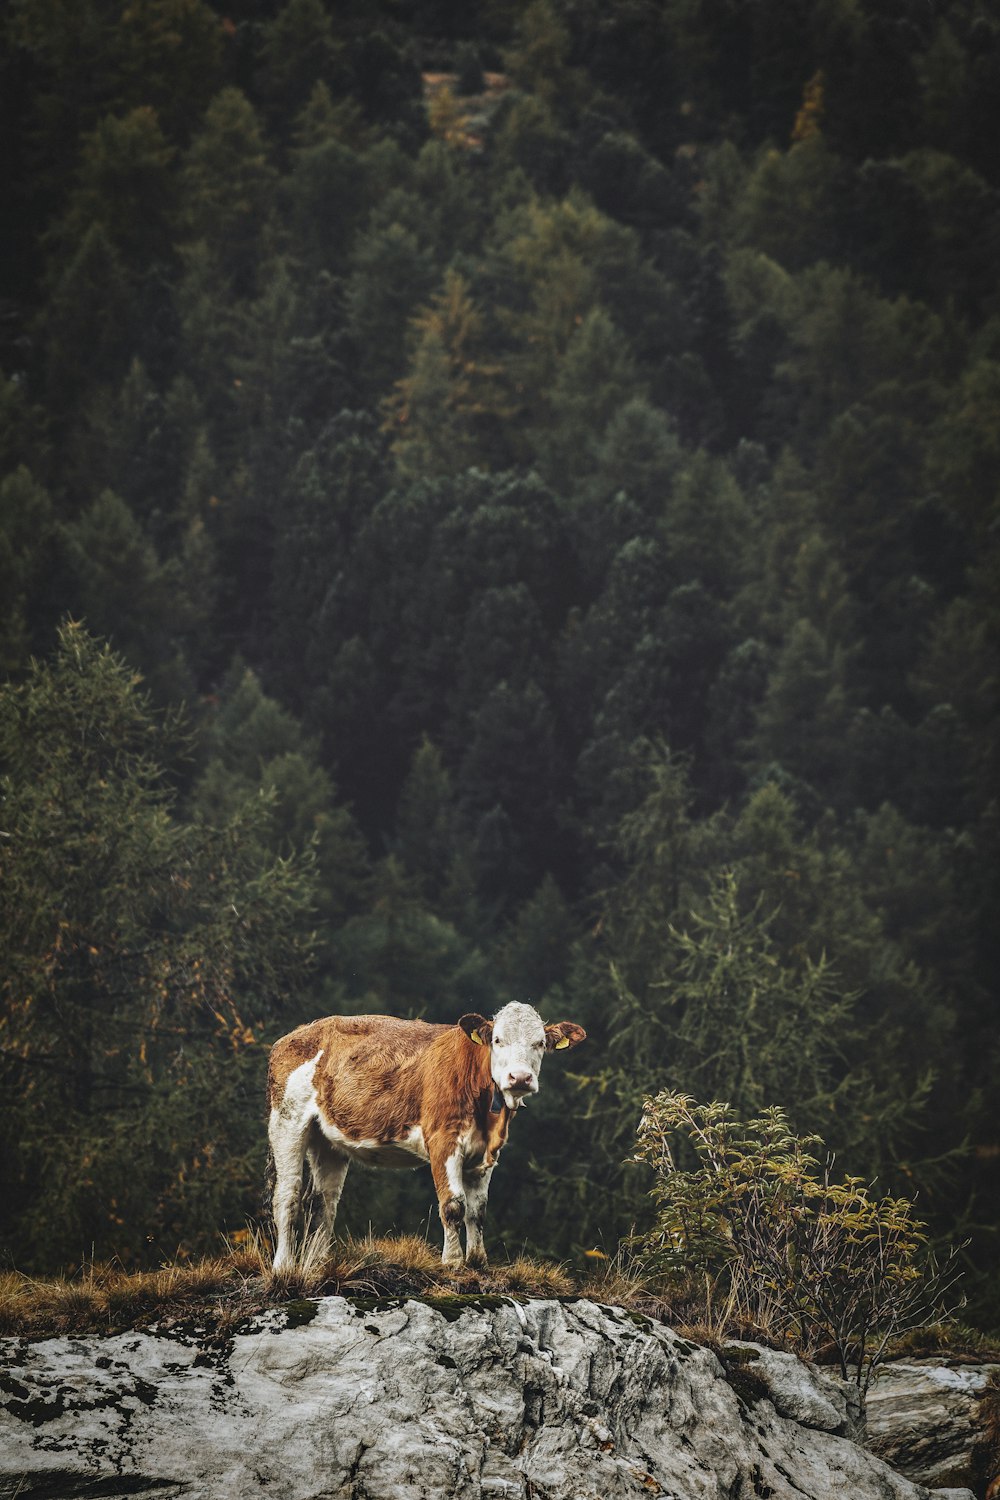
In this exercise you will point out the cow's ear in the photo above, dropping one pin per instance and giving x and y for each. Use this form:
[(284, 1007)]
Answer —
[(477, 1029), (563, 1034)]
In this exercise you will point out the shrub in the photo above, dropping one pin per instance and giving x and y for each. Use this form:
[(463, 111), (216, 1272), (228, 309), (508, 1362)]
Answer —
[(793, 1252)]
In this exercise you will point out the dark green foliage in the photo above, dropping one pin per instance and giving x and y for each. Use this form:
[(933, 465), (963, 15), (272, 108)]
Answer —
[(469, 76), (391, 275), (145, 954), (227, 183), (91, 320), (31, 568), (575, 524), (299, 51)]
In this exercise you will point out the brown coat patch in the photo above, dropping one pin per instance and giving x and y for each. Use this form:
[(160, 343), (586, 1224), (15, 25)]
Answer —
[(380, 1077)]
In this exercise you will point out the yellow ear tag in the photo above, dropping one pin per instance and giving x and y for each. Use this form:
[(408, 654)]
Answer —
[(475, 1037), (562, 1042)]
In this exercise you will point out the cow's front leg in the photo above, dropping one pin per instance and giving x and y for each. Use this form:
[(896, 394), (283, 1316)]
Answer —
[(446, 1168), (477, 1188)]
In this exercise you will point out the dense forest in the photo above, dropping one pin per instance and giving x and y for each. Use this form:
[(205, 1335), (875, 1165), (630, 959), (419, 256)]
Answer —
[(499, 501)]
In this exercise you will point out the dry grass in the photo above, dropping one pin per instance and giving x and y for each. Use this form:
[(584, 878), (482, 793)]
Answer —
[(108, 1298), (216, 1294), (955, 1340), (618, 1281)]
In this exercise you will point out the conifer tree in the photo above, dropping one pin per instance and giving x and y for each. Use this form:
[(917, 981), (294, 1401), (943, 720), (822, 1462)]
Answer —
[(427, 820), (170, 56), (31, 569), (227, 186), (329, 189), (448, 407), (299, 51), (596, 378), (91, 321), (124, 185), (125, 592), (392, 273)]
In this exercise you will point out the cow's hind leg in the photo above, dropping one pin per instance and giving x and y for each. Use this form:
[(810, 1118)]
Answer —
[(477, 1187), (287, 1138), (328, 1169)]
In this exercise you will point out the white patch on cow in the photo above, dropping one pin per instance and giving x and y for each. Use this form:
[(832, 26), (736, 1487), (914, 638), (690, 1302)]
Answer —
[(372, 1152), (516, 1052), (300, 1093), (471, 1143), (453, 1171), (452, 1238)]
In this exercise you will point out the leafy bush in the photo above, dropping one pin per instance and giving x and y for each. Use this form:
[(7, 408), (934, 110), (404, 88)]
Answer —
[(794, 1252)]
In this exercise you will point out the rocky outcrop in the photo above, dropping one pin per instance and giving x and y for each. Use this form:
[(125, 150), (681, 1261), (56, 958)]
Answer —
[(921, 1419), (346, 1401)]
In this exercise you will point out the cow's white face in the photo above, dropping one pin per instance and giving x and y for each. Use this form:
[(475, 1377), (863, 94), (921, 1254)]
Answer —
[(518, 1040), (518, 1046)]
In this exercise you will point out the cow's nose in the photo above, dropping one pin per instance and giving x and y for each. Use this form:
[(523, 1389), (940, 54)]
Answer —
[(520, 1080)]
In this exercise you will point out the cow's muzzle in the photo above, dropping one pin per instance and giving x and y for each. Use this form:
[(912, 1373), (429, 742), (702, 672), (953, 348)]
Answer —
[(516, 1088)]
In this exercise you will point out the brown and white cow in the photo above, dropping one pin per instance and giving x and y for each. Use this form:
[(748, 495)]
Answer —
[(394, 1093)]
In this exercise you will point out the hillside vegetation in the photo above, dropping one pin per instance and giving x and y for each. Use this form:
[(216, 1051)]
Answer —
[(497, 501)]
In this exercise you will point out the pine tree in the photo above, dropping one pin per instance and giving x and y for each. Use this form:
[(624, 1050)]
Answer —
[(125, 185), (256, 749), (427, 820), (392, 273), (124, 591), (31, 569), (330, 187), (90, 322), (170, 57), (227, 187), (326, 500), (299, 51), (448, 407), (596, 378)]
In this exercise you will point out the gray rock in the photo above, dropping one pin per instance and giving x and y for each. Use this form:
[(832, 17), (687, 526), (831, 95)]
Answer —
[(547, 1400), (803, 1392), (920, 1419)]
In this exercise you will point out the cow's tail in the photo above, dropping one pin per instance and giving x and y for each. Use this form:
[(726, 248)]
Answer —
[(265, 1207), (265, 1215)]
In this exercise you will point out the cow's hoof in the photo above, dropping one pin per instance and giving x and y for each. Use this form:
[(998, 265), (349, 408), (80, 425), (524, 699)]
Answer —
[(453, 1262), (477, 1260)]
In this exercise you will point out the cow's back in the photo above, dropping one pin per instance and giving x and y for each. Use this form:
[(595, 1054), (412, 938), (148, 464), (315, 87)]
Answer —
[(367, 1074)]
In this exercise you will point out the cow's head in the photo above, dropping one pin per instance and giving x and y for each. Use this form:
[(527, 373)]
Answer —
[(518, 1039)]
